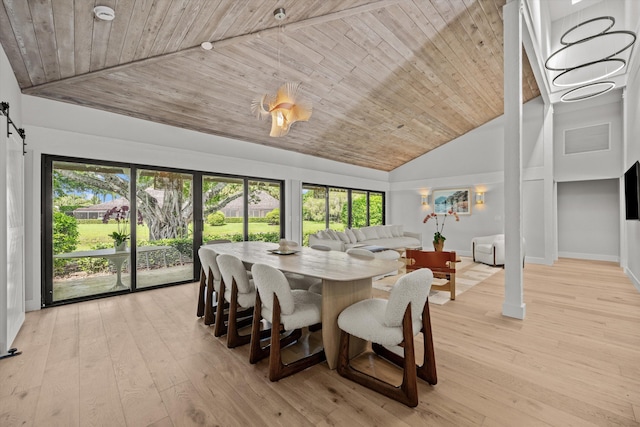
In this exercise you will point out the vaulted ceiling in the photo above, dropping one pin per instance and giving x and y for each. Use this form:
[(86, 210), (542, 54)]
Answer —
[(389, 80)]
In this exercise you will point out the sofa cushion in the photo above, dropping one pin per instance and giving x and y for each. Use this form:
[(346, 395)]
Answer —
[(333, 234), (351, 235), (486, 248), (343, 236), (386, 230), (359, 235), (370, 232), (394, 242), (397, 231)]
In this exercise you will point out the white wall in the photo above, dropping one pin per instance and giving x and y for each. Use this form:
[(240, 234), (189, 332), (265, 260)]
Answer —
[(587, 226), (591, 165), (11, 314), (476, 161), (631, 229)]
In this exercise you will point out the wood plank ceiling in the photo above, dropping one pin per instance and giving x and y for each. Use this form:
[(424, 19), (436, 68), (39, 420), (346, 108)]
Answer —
[(389, 80)]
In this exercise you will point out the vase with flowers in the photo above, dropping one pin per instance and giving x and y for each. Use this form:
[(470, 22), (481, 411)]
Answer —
[(121, 216), (438, 238)]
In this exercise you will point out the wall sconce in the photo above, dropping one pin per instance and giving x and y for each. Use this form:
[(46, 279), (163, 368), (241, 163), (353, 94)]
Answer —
[(479, 198), (425, 200)]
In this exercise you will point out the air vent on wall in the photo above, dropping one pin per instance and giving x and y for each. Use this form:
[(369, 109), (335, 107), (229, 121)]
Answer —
[(586, 139)]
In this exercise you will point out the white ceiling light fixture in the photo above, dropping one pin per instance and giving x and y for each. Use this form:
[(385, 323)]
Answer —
[(104, 13)]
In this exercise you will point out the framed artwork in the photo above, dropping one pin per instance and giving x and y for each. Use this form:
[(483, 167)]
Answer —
[(455, 199)]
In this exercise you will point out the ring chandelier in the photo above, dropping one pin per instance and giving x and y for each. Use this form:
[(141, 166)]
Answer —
[(582, 61), (587, 91)]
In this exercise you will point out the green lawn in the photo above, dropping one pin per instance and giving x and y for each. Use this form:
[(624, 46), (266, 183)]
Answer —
[(94, 234)]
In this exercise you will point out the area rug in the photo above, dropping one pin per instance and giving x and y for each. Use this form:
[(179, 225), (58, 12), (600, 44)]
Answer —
[(468, 274)]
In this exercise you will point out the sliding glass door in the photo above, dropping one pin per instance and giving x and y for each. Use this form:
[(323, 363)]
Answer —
[(89, 214), (264, 203), (112, 227), (222, 208), (164, 236), (338, 208)]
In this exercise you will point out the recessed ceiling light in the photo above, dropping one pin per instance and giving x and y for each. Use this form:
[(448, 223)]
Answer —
[(104, 13), (207, 45)]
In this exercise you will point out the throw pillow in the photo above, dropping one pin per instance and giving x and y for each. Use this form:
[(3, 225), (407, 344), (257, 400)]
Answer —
[(386, 230), (370, 233), (352, 236), (396, 230), (359, 235), (333, 234), (323, 235), (343, 237)]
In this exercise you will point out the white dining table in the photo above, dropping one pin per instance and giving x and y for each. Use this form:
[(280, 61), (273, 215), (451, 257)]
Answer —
[(346, 279)]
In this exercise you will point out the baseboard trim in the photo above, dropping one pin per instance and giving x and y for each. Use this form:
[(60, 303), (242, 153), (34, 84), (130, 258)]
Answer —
[(633, 278), (590, 257)]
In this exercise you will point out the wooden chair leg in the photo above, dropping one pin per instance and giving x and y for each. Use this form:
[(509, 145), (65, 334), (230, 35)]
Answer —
[(220, 328), (210, 303), (257, 352), (452, 285), (428, 369), (277, 369), (407, 392), (234, 339), (201, 290)]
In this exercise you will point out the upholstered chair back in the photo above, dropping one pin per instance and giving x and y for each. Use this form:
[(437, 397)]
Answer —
[(232, 268), (270, 281), (411, 288), (207, 259)]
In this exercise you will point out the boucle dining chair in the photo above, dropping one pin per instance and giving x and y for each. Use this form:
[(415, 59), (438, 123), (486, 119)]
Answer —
[(238, 290), (392, 323), (209, 282), (207, 298), (285, 309)]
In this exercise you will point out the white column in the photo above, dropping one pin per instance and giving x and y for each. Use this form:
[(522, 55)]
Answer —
[(550, 212), (513, 305)]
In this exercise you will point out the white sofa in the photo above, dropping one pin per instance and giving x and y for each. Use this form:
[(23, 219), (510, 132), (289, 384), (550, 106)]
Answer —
[(388, 236), (489, 249)]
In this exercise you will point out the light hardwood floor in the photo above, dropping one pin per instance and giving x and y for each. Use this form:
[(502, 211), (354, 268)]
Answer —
[(145, 359)]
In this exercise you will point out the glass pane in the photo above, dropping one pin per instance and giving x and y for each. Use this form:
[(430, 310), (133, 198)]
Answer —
[(223, 208), (338, 209), (90, 211), (264, 211), (358, 209), (314, 209), (375, 208), (164, 234)]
